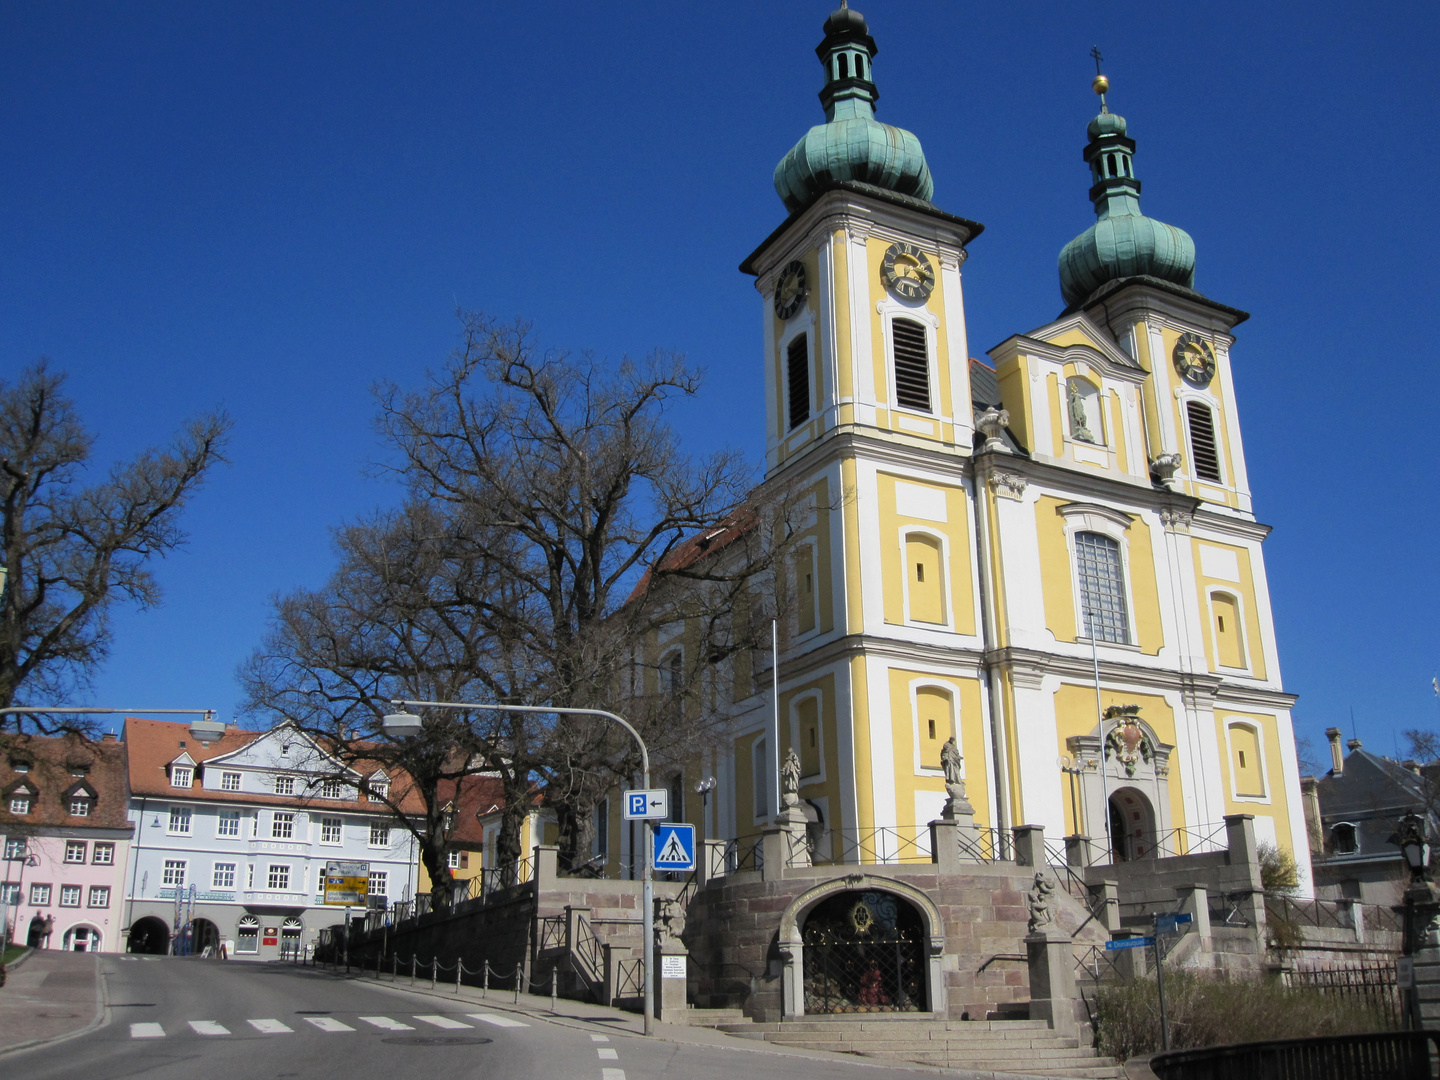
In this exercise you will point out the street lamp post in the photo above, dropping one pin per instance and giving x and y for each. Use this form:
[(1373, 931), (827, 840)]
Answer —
[(1420, 902), (405, 725)]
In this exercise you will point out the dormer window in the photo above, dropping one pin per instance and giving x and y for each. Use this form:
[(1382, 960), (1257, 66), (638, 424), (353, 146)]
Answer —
[(332, 789), (284, 785), (20, 803), (379, 787), (80, 805), (20, 766), (181, 776), (79, 768), (1344, 839)]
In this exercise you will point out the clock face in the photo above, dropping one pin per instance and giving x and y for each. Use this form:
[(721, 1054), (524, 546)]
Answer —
[(907, 272), (1194, 359), (790, 290)]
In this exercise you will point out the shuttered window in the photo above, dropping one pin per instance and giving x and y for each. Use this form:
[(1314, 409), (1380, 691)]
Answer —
[(797, 371), (1202, 441), (912, 365)]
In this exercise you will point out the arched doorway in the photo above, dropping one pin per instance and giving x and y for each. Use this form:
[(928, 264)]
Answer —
[(290, 931), (150, 935), (1132, 825), (204, 938), (82, 939), (247, 934), (864, 953)]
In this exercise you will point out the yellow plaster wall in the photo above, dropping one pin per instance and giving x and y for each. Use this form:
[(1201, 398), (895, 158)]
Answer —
[(956, 530), (1014, 381), (829, 786), (1245, 589), (854, 598), (1277, 806), (1075, 715), (844, 352), (1116, 433), (970, 738), (1057, 419), (1057, 578)]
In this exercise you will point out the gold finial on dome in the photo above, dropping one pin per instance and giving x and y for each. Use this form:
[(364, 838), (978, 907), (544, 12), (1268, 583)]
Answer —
[(1100, 83)]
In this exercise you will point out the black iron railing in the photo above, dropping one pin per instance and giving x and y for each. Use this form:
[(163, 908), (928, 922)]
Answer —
[(1399, 1055)]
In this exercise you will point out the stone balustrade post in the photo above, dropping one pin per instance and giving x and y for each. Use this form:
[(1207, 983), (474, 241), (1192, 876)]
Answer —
[(710, 861), (1105, 902), (547, 866), (1030, 846), (1051, 958), (1078, 851), (1195, 901)]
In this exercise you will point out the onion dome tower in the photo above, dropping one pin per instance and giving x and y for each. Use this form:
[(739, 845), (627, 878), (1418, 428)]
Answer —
[(1124, 242), (851, 144)]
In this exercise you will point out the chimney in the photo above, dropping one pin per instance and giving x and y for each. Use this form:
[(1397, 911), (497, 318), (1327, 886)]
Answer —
[(109, 736), (1337, 760), (1353, 745), (1412, 765)]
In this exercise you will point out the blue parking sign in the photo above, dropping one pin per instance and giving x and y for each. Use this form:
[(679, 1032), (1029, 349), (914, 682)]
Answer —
[(674, 847)]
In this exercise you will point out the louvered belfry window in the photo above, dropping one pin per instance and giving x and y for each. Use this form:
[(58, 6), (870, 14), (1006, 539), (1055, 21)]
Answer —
[(1202, 441), (912, 365), (797, 371)]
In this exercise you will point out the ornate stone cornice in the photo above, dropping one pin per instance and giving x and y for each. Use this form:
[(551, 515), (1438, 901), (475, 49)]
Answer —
[(1007, 485)]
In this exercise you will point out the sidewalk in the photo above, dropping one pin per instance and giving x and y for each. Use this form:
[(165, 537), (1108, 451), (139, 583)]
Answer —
[(595, 1018), (49, 995)]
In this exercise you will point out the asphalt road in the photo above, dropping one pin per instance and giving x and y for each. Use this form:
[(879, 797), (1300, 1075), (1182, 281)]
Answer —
[(170, 1018)]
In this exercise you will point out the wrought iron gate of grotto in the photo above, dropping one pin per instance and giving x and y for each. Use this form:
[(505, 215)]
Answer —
[(864, 952)]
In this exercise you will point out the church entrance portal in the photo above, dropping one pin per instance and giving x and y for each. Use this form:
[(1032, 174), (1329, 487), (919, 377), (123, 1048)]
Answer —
[(864, 952), (1132, 825)]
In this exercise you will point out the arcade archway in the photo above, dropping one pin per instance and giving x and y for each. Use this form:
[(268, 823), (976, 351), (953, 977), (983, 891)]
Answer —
[(149, 935)]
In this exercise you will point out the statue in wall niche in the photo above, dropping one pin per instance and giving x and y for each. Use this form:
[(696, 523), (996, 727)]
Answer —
[(669, 921), (790, 779), (954, 766), (1038, 901), (1079, 423)]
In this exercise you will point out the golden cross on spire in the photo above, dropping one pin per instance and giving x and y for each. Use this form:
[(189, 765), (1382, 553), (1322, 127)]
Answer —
[(1100, 83)]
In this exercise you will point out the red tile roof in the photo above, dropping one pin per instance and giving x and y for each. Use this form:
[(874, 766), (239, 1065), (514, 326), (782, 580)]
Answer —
[(52, 763), (154, 744)]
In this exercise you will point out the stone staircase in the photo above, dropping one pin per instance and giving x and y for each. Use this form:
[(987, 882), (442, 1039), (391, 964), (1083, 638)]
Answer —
[(1014, 1046)]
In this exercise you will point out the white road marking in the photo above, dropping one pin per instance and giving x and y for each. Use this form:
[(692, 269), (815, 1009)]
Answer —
[(498, 1021), (606, 1054), (269, 1027), (599, 1038), (146, 1031), (443, 1022), (326, 1023), (386, 1023), (208, 1027), (612, 1074)]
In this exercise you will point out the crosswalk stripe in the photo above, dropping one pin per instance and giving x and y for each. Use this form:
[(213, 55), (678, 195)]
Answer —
[(498, 1021), (386, 1023), (208, 1027), (146, 1031), (607, 1054), (612, 1074), (269, 1027), (443, 1022), (326, 1023), (599, 1038)]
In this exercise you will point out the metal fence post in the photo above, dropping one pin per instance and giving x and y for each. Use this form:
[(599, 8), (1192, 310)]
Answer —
[(434, 970), (412, 969), (517, 984), (459, 967), (552, 989), (394, 966), (485, 977)]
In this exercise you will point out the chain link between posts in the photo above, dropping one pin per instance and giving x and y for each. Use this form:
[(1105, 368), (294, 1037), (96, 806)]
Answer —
[(515, 979)]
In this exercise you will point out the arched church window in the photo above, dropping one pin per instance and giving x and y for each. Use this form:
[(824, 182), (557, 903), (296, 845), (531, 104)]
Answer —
[(1245, 761), (804, 563), (1203, 453), (934, 723), (1229, 634), (797, 377), (1109, 164), (925, 589), (912, 364), (1100, 575), (859, 67), (1344, 839), (807, 712), (844, 63)]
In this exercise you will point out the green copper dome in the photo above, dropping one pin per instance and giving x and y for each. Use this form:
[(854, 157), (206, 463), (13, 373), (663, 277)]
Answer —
[(1123, 242), (851, 144)]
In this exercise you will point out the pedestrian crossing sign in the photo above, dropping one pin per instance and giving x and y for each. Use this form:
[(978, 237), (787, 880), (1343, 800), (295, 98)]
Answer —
[(674, 846)]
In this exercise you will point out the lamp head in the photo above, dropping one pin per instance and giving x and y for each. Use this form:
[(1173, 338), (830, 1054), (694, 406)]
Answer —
[(401, 725), (207, 730)]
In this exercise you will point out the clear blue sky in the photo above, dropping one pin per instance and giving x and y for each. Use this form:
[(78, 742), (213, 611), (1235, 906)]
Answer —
[(270, 206)]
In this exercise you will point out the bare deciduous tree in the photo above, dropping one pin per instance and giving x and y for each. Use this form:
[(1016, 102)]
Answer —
[(70, 551), (553, 528)]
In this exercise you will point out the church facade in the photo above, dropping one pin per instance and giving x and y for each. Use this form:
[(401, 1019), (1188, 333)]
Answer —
[(1051, 557)]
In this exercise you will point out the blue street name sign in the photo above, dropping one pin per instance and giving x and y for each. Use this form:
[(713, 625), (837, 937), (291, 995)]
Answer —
[(674, 847), (1168, 925), (1129, 943)]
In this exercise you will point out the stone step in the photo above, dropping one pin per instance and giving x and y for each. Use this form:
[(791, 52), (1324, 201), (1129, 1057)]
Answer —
[(881, 1026), (1072, 1064), (986, 1050), (715, 1018), (998, 1044)]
